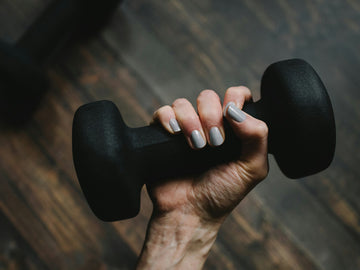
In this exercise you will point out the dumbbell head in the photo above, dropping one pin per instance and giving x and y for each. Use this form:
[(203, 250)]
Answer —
[(298, 111), (104, 166), (113, 161)]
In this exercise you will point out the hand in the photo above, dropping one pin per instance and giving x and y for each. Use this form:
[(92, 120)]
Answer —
[(199, 204), (215, 193)]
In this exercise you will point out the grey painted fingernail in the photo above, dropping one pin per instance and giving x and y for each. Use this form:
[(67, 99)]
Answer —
[(235, 113), (227, 106), (216, 138), (174, 125), (197, 140)]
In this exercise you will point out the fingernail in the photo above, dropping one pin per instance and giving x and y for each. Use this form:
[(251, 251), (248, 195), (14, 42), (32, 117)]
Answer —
[(234, 112), (174, 125), (216, 138), (197, 140)]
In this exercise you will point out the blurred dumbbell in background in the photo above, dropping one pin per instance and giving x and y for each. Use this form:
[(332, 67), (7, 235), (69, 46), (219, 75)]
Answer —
[(23, 79)]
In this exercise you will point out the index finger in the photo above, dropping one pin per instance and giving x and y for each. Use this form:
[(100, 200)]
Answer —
[(237, 94)]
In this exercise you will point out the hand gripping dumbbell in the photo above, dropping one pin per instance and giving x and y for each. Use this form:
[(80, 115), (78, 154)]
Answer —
[(22, 81), (113, 161)]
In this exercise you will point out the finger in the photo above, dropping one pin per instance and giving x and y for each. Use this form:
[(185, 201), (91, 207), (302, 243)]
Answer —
[(166, 117), (237, 94), (189, 122), (252, 132), (210, 113)]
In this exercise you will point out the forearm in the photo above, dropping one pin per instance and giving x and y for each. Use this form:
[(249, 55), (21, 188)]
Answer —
[(177, 241)]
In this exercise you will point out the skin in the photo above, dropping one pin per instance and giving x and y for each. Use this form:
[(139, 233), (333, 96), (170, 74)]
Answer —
[(188, 212)]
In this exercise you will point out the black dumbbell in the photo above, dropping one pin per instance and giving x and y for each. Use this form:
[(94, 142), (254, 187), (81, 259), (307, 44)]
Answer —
[(22, 81), (113, 161)]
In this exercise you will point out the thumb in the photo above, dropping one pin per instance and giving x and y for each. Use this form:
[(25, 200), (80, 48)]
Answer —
[(252, 132)]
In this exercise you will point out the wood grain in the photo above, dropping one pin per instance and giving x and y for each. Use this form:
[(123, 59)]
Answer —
[(149, 54)]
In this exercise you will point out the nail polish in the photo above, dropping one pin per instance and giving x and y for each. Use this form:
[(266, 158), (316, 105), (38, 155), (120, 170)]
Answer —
[(174, 125), (234, 112), (216, 138), (197, 140)]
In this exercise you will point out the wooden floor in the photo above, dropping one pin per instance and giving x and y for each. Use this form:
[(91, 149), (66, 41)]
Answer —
[(150, 53)]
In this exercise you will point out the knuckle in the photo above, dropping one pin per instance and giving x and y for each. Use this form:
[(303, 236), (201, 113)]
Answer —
[(260, 130), (263, 172), (180, 102), (232, 89), (164, 109), (162, 113), (259, 169), (244, 88), (239, 89), (207, 95), (260, 174)]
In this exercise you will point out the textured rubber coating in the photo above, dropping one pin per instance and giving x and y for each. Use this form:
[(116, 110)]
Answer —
[(300, 117), (113, 161), (102, 163)]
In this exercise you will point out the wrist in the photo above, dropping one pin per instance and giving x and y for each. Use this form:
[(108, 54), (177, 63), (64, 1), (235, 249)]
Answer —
[(177, 241)]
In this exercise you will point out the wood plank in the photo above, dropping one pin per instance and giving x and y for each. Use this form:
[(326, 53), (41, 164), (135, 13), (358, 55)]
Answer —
[(15, 253), (59, 211), (156, 64), (200, 29), (308, 223), (100, 83), (150, 54), (252, 238)]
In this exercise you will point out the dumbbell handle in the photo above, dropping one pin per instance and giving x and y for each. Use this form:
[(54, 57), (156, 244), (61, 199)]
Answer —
[(160, 155)]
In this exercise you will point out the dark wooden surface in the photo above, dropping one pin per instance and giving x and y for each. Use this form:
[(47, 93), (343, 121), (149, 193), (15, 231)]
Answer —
[(150, 53)]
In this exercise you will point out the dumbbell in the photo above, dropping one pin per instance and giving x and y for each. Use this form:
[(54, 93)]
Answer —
[(22, 81), (114, 161)]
